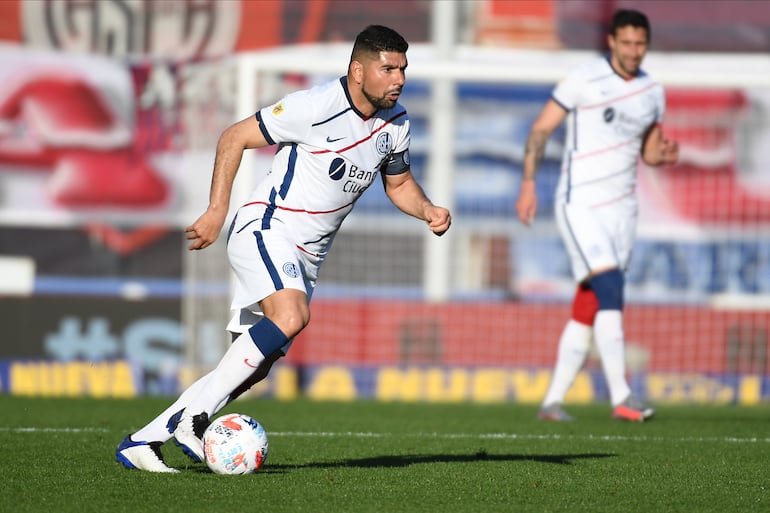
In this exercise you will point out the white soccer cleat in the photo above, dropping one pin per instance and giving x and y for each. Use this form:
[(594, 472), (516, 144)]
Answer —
[(188, 433), (142, 456), (554, 413)]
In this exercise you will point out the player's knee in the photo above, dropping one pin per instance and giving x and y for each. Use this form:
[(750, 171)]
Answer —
[(585, 305), (288, 309), (608, 287), (292, 321)]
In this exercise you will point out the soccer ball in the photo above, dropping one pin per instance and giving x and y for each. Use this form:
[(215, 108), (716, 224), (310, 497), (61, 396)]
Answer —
[(235, 444)]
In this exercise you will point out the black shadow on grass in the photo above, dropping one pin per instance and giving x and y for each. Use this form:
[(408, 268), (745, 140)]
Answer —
[(406, 460)]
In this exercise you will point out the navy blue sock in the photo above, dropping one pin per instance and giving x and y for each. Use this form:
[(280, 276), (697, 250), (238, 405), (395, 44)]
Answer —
[(267, 336)]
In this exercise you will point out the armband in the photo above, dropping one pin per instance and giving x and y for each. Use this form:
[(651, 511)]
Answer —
[(396, 164)]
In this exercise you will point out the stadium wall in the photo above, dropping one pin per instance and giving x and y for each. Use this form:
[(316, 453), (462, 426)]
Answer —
[(416, 351)]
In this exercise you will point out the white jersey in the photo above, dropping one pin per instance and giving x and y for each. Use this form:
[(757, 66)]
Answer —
[(608, 117), (329, 153)]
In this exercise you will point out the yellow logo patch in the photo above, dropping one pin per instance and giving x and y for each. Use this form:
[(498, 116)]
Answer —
[(278, 109)]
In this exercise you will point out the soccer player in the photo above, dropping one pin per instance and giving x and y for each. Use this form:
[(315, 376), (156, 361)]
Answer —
[(332, 141), (613, 111)]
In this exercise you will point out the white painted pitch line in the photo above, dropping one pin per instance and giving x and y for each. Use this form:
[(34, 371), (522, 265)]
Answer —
[(515, 436), (448, 436), (6, 429)]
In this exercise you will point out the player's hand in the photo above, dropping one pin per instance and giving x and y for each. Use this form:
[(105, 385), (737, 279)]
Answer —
[(204, 232), (439, 219), (526, 205), (669, 151)]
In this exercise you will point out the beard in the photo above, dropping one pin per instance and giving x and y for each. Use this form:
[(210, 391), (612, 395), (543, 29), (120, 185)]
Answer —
[(629, 66), (379, 102)]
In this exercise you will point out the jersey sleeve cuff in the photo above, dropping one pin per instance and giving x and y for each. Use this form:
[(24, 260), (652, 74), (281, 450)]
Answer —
[(263, 129)]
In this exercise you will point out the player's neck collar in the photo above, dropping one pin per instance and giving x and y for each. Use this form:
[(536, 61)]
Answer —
[(344, 84)]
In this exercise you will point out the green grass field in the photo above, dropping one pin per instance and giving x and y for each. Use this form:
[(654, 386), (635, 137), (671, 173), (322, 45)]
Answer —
[(58, 455)]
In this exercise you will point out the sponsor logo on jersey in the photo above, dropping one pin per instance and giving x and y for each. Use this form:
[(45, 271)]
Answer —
[(337, 169), (358, 180), (609, 114)]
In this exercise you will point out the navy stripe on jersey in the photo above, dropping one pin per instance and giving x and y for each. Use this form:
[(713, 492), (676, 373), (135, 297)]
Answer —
[(277, 283), (244, 226), (269, 211), (569, 157), (232, 227), (568, 165), (263, 129), (569, 177), (331, 118), (575, 131), (319, 239), (284, 190), (289, 176)]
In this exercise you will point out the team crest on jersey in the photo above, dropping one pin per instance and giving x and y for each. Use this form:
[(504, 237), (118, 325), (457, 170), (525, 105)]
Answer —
[(384, 143), (290, 269), (609, 114), (278, 109)]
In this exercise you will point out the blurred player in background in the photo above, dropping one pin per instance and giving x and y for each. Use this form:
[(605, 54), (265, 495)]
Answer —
[(333, 142), (613, 111)]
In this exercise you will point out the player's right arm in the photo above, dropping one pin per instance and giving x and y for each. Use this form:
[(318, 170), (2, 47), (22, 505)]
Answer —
[(550, 117), (244, 134), (658, 150)]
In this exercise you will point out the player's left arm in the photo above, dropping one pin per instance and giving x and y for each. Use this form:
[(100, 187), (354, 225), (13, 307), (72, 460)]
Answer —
[(406, 194), (658, 150)]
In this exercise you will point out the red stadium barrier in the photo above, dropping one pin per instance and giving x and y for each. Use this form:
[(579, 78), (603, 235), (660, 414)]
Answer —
[(523, 335)]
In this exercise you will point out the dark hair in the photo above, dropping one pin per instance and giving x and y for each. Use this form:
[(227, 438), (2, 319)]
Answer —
[(376, 39), (626, 17)]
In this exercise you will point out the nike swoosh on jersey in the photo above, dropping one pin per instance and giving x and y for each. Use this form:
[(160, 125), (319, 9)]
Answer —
[(246, 361), (330, 140)]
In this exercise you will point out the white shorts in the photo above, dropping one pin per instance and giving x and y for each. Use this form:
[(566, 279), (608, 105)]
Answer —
[(597, 237), (265, 261)]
